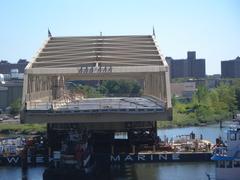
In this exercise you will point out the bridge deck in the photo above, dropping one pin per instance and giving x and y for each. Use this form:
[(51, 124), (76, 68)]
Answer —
[(105, 104), (97, 110)]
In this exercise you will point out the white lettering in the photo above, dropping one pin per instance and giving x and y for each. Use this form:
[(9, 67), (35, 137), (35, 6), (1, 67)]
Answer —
[(175, 156), (117, 158), (162, 156), (141, 157), (128, 158), (13, 159)]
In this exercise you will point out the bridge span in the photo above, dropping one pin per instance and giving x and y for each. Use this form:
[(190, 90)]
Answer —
[(63, 59)]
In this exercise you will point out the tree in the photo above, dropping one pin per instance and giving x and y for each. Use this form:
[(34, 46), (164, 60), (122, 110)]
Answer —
[(15, 107), (174, 100), (227, 97), (201, 94), (120, 87), (237, 92), (238, 97)]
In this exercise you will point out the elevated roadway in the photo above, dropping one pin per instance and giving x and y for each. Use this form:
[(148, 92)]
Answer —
[(62, 59)]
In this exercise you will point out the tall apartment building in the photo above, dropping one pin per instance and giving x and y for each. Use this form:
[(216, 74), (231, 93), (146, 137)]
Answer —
[(6, 67), (231, 68), (190, 67)]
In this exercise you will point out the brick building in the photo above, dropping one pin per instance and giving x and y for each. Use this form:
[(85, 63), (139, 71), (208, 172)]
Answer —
[(231, 68), (190, 67), (6, 67)]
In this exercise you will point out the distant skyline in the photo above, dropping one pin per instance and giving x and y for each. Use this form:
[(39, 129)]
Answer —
[(209, 27)]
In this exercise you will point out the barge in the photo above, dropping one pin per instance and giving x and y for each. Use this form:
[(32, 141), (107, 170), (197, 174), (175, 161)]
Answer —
[(35, 151), (81, 153)]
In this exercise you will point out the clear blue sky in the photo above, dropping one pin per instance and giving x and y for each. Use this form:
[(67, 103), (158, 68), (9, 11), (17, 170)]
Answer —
[(210, 27)]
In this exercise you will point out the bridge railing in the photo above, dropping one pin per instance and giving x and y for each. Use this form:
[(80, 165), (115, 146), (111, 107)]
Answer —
[(32, 105)]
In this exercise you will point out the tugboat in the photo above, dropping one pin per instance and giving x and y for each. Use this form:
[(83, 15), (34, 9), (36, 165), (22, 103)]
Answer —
[(227, 158)]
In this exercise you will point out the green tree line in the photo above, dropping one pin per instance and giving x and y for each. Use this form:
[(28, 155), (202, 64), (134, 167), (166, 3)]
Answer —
[(207, 105), (110, 88)]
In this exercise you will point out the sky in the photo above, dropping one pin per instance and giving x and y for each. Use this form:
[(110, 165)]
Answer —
[(209, 27)]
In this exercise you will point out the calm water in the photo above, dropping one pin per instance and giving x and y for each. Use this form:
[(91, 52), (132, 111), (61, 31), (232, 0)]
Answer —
[(147, 171), (210, 132)]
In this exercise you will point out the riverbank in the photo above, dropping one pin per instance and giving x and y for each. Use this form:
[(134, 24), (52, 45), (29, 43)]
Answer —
[(181, 120), (26, 129), (190, 119)]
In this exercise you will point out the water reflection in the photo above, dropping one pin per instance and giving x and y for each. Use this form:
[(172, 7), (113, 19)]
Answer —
[(210, 132), (24, 173), (173, 171), (145, 171)]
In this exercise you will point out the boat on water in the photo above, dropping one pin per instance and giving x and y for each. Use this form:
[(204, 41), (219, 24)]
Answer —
[(227, 157), (183, 148)]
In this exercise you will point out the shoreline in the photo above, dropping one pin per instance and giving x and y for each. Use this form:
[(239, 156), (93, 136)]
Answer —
[(10, 129), (170, 125), (15, 129)]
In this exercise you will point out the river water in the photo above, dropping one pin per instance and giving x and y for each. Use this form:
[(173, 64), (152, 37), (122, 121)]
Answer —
[(146, 171)]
